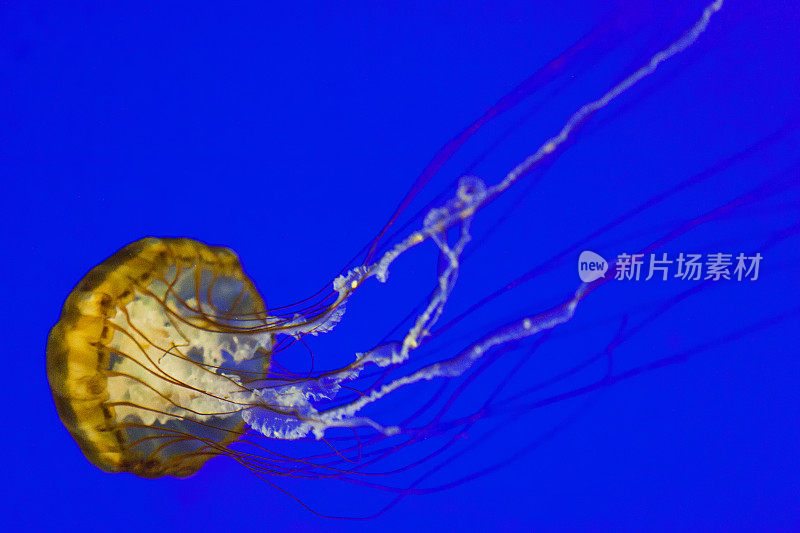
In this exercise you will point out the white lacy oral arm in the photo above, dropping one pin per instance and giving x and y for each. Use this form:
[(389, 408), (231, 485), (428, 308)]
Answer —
[(296, 413)]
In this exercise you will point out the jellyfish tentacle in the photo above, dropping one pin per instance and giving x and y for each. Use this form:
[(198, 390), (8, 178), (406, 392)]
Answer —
[(471, 195), (549, 146), (445, 218), (470, 191), (287, 412), (459, 364)]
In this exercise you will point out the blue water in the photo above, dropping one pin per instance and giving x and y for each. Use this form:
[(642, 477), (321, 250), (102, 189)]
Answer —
[(290, 134)]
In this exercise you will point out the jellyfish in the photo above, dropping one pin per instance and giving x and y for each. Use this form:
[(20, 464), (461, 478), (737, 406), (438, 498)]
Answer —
[(166, 354), (135, 352)]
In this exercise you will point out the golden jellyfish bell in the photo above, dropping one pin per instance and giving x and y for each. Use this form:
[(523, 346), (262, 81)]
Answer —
[(141, 340)]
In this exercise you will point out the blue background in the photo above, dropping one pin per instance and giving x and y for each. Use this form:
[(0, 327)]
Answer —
[(290, 133)]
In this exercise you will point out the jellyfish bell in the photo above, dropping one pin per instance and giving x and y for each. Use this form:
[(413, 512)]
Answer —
[(160, 360), (133, 360)]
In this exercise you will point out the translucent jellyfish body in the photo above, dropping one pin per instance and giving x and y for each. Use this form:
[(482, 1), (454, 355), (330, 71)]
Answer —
[(164, 353)]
